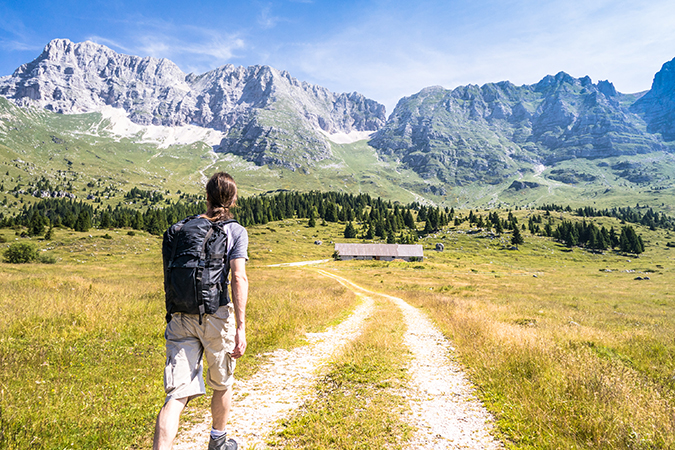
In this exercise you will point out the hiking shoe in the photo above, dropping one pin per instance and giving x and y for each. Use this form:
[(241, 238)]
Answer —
[(222, 443)]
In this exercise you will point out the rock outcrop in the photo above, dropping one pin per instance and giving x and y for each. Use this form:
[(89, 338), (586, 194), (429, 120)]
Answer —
[(657, 106), (484, 133)]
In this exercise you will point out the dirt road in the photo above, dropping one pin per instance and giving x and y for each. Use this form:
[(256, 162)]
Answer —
[(443, 408)]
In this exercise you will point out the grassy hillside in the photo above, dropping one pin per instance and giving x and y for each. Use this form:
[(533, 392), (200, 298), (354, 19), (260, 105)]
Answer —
[(78, 154)]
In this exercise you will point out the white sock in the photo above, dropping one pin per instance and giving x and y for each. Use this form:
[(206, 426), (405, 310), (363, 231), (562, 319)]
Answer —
[(215, 434)]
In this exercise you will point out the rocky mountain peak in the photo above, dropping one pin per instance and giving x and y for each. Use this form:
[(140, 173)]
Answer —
[(657, 106), (248, 103), (474, 133)]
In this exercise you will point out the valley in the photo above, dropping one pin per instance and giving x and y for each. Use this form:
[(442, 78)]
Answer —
[(521, 323), (147, 124)]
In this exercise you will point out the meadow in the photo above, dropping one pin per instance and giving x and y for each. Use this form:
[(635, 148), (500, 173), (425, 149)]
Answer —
[(566, 348)]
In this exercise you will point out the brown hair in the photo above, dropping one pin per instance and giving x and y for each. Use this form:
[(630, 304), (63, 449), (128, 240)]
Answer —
[(221, 195)]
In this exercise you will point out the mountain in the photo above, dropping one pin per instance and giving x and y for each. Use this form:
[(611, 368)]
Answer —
[(488, 133), (268, 117), (657, 106), (90, 122)]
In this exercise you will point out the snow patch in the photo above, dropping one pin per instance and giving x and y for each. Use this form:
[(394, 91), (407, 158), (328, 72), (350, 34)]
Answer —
[(122, 126), (348, 138)]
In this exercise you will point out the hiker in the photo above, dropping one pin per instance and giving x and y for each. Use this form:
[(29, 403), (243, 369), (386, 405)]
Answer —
[(201, 319)]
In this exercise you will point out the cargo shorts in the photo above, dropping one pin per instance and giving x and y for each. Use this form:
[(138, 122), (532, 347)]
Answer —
[(187, 342)]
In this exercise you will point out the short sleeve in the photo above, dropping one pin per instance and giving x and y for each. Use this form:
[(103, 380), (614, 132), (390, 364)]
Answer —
[(239, 248)]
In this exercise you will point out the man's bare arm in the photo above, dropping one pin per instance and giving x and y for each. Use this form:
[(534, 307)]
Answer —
[(239, 299)]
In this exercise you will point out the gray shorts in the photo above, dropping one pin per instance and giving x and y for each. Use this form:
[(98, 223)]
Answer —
[(187, 342)]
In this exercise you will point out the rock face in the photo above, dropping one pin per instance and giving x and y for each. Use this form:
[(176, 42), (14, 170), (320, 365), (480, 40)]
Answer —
[(269, 116), (484, 133), (657, 106)]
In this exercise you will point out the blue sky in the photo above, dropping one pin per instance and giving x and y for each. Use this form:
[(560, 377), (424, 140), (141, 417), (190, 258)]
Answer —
[(382, 49)]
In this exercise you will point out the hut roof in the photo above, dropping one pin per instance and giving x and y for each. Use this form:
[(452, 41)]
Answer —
[(391, 250)]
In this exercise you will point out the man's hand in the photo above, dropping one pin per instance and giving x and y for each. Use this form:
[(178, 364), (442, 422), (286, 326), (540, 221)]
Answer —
[(239, 344)]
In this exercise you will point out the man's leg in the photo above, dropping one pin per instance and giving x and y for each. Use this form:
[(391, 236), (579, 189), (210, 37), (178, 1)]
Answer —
[(167, 424), (221, 403)]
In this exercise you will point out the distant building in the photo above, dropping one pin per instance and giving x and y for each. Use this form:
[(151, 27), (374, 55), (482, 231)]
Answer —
[(380, 252)]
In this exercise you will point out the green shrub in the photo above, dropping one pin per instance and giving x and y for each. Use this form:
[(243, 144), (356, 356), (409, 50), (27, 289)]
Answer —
[(21, 252), (47, 259), (107, 236), (131, 233)]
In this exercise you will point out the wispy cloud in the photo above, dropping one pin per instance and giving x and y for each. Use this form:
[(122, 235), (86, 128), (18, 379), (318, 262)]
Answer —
[(266, 19), (193, 48), (17, 36), (13, 45), (388, 55), (115, 45)]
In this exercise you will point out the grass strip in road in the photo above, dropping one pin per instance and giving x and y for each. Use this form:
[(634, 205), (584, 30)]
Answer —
[(357, 404)]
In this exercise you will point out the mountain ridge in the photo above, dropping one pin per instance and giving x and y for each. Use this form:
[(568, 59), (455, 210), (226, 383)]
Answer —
[(483, 133), (253, 105), (469, 143)]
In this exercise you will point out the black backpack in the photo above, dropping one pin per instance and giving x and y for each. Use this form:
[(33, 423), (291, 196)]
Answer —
[(195, 266)]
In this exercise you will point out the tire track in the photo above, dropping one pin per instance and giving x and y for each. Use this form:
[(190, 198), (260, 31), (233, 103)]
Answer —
[(283, 384)]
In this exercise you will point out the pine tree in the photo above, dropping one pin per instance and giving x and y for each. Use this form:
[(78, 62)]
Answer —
[(498, 227), (428, 228), (49, 235), (105, 220), (409, 220), (83, 221), (350, 231), (517, 238), (379, 229)]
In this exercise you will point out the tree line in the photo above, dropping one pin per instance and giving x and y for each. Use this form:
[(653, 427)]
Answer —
[(642, 215), (381, 217), (587, 234), (378, 218)]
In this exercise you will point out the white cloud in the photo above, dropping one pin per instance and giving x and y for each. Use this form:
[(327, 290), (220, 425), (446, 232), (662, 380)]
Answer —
[(110, 43), (194, 49), (266, 19), (13, 45)]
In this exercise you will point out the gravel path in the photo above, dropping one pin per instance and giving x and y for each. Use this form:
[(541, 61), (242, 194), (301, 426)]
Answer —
[(283, 384), (443, 407)]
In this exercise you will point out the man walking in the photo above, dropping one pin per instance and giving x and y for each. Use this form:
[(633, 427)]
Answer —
[(216, 326)]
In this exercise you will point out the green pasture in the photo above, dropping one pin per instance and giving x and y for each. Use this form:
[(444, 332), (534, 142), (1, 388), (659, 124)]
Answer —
[(567, 349)]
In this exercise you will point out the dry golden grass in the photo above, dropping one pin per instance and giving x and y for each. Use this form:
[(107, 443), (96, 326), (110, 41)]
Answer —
[(82, 343), (575, 357)]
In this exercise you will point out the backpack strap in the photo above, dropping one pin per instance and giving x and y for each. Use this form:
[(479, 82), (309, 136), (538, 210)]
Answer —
[(226, 262), (221, 225), (199, 273)]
